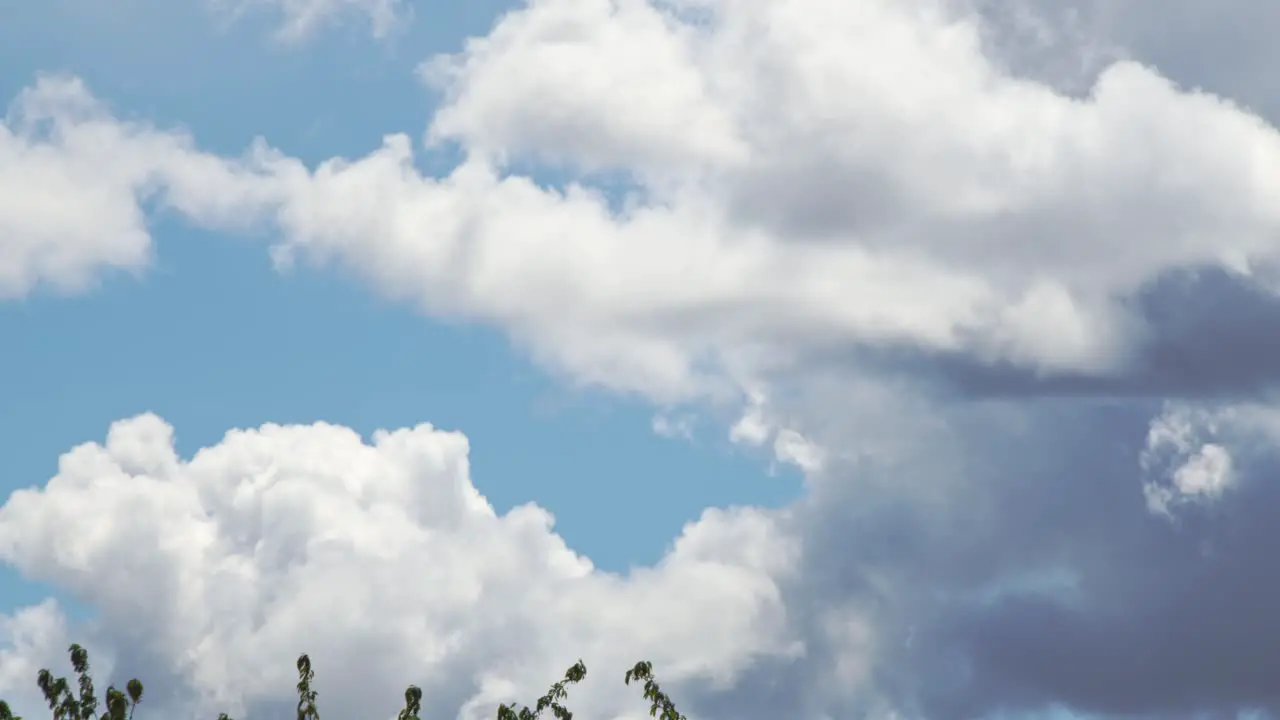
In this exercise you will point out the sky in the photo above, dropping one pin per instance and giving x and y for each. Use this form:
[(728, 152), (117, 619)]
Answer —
[(884, 359)]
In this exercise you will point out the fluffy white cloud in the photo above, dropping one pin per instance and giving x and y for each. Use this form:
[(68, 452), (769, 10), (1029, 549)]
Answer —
[(382, 561), (880, 127), (75, 183), (1202, 475), (807, 178)]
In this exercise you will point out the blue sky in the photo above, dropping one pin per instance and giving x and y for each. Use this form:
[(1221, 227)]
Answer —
[(890, 359), (214, 338)]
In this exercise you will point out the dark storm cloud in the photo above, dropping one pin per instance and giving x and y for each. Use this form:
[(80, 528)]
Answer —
[(1211, 332), (948, 552), (1168, 620)]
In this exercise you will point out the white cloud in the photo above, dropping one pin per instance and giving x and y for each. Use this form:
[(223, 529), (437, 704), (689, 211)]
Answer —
[(756, 426), (571, 58), (791, 447), (382, 561), (810, 178), (75, 182), (1207, 472), (1180, 468), (1203, 475), (64, 213), (303, 18), (1190, 452), (673, 427), (752, 428)]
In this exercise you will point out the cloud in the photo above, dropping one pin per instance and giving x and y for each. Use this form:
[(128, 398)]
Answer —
[(953, 287), (1006, 564), (673, 427), (302, 19), (1194, 470), (756, 427), (381, 560), (1236, 47), (787, 196), (1190, 450), (938, 584), (76, 184), (1086, 600)]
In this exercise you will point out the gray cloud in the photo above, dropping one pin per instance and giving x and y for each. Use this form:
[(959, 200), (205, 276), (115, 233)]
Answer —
[(1030, 575)]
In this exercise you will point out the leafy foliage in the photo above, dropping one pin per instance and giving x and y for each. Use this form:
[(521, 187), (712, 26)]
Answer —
[(550, 700), (83, 704), (658, 700)]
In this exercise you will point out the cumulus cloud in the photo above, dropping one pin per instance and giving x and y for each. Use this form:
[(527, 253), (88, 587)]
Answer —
[(804, 179), (76, 183), (935, 584), (381, 560), (831, 217)]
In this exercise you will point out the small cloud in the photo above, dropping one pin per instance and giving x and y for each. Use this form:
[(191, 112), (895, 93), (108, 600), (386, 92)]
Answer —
[(791, 447), (755, 428), (1184, 467), (301, 19), (751, 428), (669, 427)]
